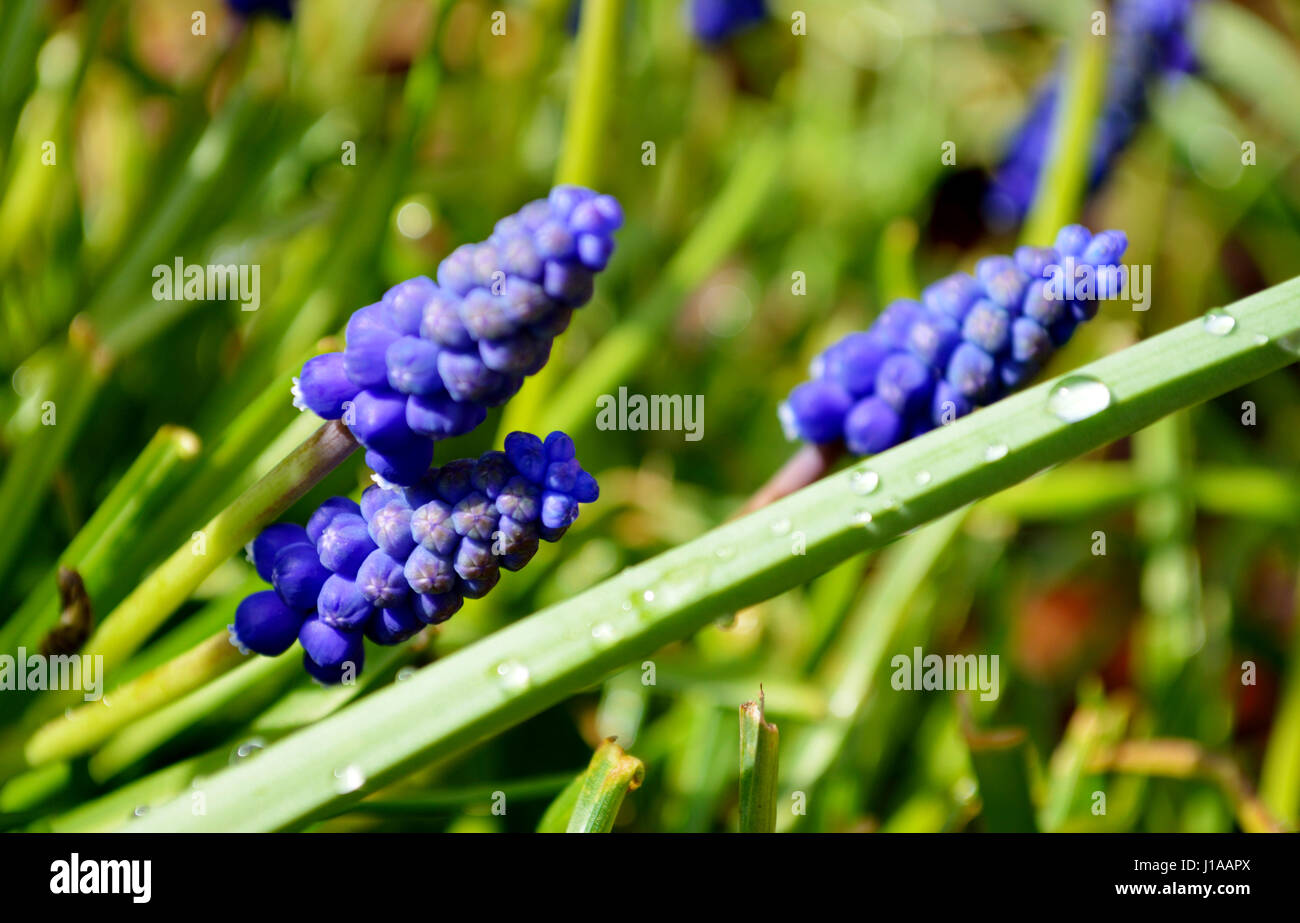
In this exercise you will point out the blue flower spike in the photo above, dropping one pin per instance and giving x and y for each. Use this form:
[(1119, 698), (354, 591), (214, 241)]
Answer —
[(404, 558), (968, 341), (429, 359)]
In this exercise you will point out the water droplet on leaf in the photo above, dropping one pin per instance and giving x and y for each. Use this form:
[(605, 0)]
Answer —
[(1077, 397), (1219, 322)]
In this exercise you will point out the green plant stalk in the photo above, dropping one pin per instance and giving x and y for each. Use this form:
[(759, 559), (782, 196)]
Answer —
[(82, 729), (759, 756), (591, 97), (624, 348), (1093, 726), (1064, 176), (93, 551), (538, 661), (138, 738), (558, 812), (610, 776), (1279, 777), (1001, 760), (140, 614)]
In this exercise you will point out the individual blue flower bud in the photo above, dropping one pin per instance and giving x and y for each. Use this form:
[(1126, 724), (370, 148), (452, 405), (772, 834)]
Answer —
[(553, 324), (440, 417), (514, 355), (342, 604), (484, 316), (455, 480), (972, 372), (558, 510), (715, 21), (298, 575), (474, 516), (594, 251), (427, 572), (390, 527), (442, 323), (555, 240), (413, 366), (466, 377), (933, 338), (269, 543), (265, 625), (1034, 262), (432, 529), (435, 608), (520, 258), (406, 302), (564, 198), (568, 281), (404, 465), (1039, 307), (871, 426), (1002, 280), (380, 420), (1072, 240), (952, 296), (853, 362), (987, 326), (1030, 343), (380, 579), (331, 648), (479, 587), (475, 560), (365, 357), (491, 472), (394, 624), (374, 498), (344, 544), (456, 272), (528, 454), (905, 383), (525, 302), (325, 514), (521, 500), (896, 321), (815, 411), (948, 404), (324, 387)]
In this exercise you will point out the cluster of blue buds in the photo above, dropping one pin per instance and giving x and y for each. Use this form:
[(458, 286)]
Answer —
[(427, 361), (966, 343), (1150, 40), (715, 21), (407, 557)]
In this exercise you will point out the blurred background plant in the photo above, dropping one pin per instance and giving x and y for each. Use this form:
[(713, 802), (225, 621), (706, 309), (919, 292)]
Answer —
[(781, 187)]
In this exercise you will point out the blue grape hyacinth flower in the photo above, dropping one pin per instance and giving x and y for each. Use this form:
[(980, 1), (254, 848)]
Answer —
[(429, 359), (1150, 41), (967, 342), (408, 557), (715, 21)]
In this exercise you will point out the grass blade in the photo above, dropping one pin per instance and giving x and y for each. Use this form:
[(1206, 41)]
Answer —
[(759, 743), (611, 775)]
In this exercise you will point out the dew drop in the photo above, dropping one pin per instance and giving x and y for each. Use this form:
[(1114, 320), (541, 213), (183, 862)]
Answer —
[(724, 552), (405, 673), (514, 675), (862, 517), (923, 478), (995, 452), (604, 633), (1219, 322), (648, 596), (249, 748), (1261, 340), (865, 481), (1077, 397), (141, 810), (349, 779), (781, 527), (1291, 342)]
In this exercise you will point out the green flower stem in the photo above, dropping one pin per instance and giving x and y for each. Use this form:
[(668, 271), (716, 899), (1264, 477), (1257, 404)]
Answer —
[(610, 776), (82, 729), (1185, 759), (591, 97), (1094, 726), (534, 663), (140, 614), (558, 812), (1279, 777), (759, 756), (1064, 177), (217, 693), (1001, 760), (115, 525)]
